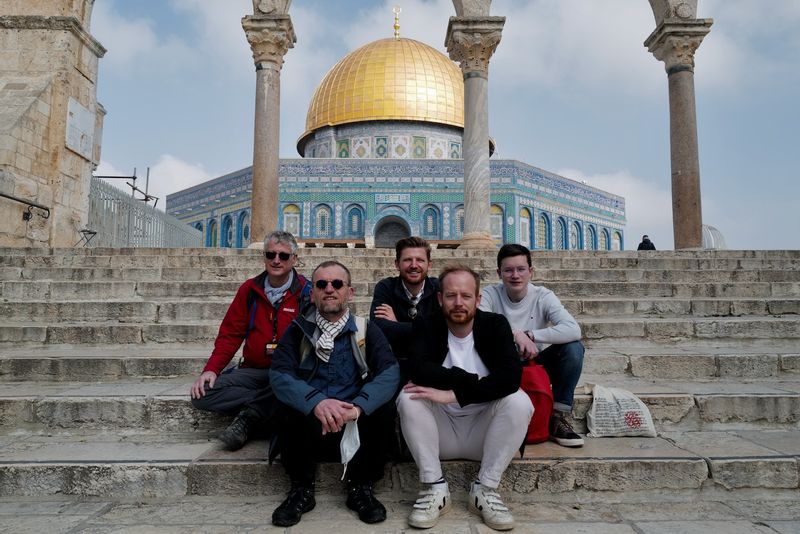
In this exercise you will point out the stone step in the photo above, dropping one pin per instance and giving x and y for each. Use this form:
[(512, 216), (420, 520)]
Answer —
[(163, 404), (254, 260), (389, 253), (88, 290), (630, 328), (371, 273), (687, 465), (685, 361), (155, 311)]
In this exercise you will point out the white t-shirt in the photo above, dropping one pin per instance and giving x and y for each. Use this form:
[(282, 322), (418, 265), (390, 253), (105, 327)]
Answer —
[(461, 353)]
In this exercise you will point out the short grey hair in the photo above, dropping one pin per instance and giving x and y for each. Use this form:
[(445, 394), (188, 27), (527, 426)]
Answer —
[(279, 236)]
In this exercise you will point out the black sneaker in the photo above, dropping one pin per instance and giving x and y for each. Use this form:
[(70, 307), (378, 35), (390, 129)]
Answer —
[(561, 431), (236, 435), (300, 500), (361, 499)]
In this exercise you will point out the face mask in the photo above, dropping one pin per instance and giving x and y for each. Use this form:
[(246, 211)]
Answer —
[(349, 444)]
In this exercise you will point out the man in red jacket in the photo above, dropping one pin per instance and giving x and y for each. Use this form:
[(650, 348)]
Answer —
[(261, 311)]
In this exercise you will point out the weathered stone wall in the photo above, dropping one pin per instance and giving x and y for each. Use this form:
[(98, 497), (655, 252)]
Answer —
[(50, 121)]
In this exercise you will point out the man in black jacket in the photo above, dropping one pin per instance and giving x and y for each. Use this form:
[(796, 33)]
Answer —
[(397, 300), (646, 244), (463, 400)]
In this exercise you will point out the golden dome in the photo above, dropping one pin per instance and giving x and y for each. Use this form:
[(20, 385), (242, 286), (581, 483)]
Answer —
[(389, 79)]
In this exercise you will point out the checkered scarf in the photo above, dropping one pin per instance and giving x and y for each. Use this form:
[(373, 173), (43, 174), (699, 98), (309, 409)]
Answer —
[(329, 332)]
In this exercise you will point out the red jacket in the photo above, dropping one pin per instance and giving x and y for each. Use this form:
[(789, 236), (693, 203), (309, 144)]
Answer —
[(268, 324)]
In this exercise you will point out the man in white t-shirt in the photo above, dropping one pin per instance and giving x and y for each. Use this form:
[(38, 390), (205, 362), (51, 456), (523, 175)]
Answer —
[(463, 400), (543, 331)]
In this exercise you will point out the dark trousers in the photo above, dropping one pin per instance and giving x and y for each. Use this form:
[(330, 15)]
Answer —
[(239, 388), (563, 364), (303, 445)]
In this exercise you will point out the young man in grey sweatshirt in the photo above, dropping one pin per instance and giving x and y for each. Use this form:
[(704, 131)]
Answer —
[(544, 331)]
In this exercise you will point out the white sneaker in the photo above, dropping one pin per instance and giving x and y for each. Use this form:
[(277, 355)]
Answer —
[(486, 502), (433, 500)]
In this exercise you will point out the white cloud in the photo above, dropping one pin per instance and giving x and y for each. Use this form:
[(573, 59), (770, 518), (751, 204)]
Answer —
[(648, 206), (219, 32), (133, 44), (168, 175), (574, 44)]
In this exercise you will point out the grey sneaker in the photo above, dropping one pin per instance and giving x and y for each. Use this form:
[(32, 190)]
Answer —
[(486, 502), (432, 501), (561, 431)]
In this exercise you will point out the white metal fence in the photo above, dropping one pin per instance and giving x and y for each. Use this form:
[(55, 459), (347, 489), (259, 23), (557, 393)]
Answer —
[(123, 221)]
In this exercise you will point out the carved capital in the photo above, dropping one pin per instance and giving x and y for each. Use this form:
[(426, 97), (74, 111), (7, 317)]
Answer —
[(271, 7), (675, 43), (471, 41), (270, 37)]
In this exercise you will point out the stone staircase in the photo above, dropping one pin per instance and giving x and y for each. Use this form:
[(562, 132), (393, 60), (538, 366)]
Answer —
[(98, 348)]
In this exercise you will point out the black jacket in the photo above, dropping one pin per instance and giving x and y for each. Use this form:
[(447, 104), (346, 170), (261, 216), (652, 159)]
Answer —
[(494, 343), (646, 244), (390, 291)]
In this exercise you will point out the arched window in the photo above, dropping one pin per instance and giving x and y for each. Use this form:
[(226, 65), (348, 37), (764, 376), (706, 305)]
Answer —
[(561, 234), (322, 221), (525, 227), (459, 221), (591, 238), (291, 219), (211, 235), (354, 226), (227, 232), (496, 222), (616, 241), (243, 230), (575, 236), (543, 233), (430, 222), (603, 245)]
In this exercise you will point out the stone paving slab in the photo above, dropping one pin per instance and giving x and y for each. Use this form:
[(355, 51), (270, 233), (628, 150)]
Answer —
[(252, 514)]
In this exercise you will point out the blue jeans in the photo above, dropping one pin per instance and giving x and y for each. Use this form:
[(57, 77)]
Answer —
[(563, 364)]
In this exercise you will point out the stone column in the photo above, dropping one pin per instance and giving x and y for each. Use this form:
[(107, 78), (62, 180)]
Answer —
[(471, 41), (674, 42), (270, 37)]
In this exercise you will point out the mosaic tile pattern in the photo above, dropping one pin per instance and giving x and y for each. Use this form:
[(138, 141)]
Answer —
[(403, 188)]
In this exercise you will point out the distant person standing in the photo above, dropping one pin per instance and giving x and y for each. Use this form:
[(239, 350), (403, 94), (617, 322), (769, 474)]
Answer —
[(646, 244)]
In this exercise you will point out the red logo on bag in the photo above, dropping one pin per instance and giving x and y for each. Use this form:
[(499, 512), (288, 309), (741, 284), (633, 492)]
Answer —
[(633, 419)]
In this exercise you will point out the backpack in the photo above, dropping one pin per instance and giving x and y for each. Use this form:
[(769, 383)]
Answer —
[(536, 383)]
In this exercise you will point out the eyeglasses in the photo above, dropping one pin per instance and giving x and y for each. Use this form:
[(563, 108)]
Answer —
[(284, 256), (510, 271), (323, 284)]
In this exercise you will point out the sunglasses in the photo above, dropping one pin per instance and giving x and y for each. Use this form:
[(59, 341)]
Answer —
[(337, 284), (284, 256)]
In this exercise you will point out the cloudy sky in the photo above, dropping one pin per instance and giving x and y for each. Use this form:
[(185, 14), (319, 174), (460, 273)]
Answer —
[(572, 90)]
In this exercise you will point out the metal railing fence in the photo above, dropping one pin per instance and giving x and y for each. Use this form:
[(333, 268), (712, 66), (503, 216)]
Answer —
[(121, 220)]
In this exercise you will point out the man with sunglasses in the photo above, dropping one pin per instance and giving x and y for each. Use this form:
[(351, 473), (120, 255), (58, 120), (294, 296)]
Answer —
[(332, 368), (398, 300), (543, 330), (261, 311)]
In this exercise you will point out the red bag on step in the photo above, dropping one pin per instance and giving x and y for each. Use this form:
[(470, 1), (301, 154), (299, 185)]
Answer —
[(536, 383)]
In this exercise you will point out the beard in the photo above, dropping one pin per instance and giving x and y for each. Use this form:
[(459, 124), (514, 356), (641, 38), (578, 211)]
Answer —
[(331, 307), (407, 277), (459, 315)]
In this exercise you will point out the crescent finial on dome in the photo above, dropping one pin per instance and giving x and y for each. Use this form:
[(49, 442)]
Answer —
[(397, 10)]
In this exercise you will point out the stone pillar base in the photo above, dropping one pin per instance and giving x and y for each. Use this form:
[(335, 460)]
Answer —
[(257, 244), (477, 240)]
